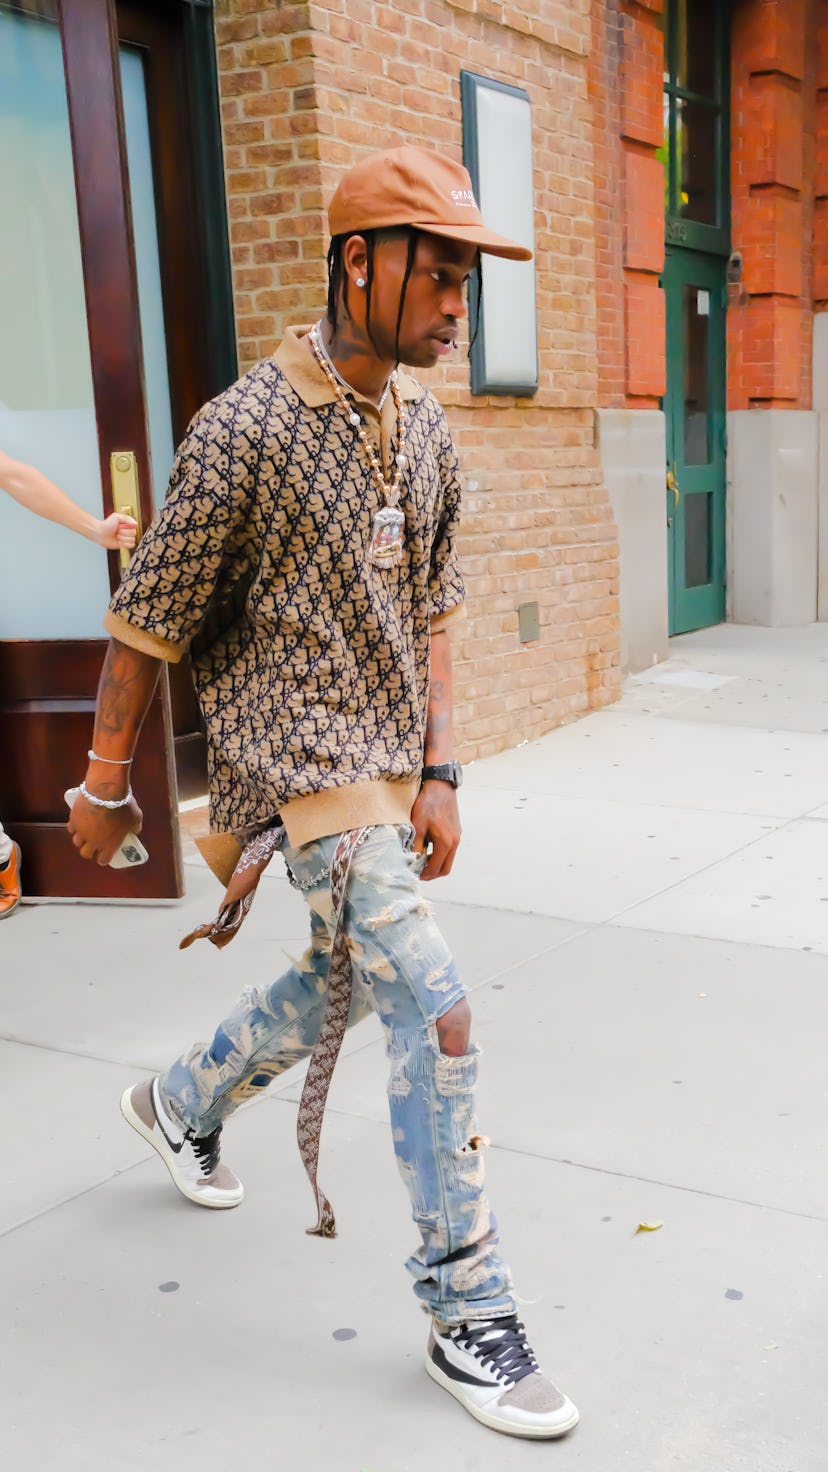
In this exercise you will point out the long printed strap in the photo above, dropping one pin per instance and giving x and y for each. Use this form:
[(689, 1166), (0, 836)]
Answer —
[(327, 1046)]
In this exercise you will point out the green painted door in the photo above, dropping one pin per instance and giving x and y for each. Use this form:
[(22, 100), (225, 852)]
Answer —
[(694, 407)]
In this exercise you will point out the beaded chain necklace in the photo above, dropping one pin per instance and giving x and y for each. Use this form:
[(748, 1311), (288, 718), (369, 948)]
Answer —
[(389, 523)]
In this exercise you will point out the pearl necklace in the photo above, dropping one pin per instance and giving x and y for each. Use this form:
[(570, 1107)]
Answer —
[(389, 523)]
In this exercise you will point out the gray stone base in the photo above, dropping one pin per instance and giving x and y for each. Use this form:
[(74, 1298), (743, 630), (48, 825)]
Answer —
[(820, 365), (633, 459), (773, 516), (822, 503)]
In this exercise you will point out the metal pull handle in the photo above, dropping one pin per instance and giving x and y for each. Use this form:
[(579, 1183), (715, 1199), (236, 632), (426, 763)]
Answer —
[(123, 469), (673, 485)]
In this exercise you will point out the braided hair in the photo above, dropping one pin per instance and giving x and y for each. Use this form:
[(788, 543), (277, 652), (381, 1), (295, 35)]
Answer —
[(338, 278)]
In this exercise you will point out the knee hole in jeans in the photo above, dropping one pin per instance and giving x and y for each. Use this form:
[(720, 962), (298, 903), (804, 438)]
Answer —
[(454, 1028)]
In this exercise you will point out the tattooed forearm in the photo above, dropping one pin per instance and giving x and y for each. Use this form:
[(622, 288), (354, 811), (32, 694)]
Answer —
[(127, 682), (439, 742)]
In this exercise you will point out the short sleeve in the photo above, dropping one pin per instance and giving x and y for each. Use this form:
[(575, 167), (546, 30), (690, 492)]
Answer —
[(446, 588), (176, 572)]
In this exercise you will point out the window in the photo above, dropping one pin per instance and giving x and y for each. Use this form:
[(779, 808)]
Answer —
[(497, 151), (695, 152)]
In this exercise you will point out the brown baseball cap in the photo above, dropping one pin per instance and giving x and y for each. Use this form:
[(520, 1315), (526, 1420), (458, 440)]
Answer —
[(413, 186)]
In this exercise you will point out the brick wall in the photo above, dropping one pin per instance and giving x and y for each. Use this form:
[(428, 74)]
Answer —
[(773, 168), (604, 83), (625, 88), (820, 254), (306, 89)]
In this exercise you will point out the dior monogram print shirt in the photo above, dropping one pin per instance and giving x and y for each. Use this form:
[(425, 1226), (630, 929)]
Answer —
[(311, 664)]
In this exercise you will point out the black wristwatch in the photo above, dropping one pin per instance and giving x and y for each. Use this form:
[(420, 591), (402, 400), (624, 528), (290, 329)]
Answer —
[(450, 772)]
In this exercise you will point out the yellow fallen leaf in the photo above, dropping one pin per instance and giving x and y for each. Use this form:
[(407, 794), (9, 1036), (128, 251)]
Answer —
[(648, 1227)]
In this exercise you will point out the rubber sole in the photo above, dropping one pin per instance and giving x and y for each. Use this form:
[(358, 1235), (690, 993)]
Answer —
[(156, 1140), (10, 909), (491, 1419)]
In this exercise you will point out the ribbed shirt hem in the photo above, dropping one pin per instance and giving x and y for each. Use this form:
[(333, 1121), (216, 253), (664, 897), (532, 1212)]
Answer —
[(142, 639), (359, 805)]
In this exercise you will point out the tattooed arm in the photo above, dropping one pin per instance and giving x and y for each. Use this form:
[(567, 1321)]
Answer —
[(127, 683), (435, 813)]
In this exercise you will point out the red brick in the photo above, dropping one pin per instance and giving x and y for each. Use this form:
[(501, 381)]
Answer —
[(642, 69), (769, 36), (774, 131), (643, 211), (772, 348), (821, 251)]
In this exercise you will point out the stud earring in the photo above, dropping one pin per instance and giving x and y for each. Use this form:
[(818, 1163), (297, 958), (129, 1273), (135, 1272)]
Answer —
[(360, 281)]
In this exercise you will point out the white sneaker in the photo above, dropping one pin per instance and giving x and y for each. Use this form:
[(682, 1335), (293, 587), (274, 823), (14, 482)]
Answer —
[(488, 1366), (194, 1164)]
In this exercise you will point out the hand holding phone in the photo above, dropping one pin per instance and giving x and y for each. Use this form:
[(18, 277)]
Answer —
[(132, 850)]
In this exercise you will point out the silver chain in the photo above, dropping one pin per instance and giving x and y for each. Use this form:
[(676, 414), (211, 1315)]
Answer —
[(105, 802), (349, 388)]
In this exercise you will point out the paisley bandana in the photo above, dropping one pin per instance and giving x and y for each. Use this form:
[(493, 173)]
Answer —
[(238, 898)]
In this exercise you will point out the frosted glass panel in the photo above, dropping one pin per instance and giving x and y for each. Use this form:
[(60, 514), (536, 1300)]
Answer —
[(504, 142), (150, 301), (53, 584)]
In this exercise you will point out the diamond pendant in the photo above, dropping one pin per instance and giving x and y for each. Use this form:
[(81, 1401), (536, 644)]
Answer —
[(387, 541)]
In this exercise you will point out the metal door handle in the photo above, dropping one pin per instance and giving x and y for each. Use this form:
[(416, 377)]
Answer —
[(672, 485), (123, 470)]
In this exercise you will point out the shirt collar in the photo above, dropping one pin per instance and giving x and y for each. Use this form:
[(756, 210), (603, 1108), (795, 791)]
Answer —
[(306, 378)]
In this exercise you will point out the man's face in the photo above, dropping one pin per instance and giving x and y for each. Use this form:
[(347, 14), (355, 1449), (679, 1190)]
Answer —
[(435, 298)]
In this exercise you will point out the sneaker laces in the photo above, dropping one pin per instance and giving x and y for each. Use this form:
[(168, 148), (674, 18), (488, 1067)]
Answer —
[(500, 1343), (207, 1150)]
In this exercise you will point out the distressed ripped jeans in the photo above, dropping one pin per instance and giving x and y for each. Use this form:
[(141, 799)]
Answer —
[(404, 972)]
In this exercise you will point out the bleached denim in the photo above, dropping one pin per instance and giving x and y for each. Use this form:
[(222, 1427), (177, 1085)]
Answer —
[(404, 972)]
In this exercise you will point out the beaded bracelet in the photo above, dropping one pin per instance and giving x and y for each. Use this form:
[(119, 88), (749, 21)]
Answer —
[(111, 760), (104, 802)]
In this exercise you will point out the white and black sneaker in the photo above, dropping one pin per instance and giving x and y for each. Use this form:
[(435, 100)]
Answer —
[(194, 1163), (488, 1366)]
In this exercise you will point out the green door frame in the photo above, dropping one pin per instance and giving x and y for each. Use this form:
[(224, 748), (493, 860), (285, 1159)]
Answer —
[(696, 442), (680, 228), (696, 262)]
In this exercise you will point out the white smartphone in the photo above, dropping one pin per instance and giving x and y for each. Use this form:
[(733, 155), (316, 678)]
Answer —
[(132, 850)]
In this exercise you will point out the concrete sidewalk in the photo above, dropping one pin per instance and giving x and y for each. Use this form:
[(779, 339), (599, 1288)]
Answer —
[(641, 909)]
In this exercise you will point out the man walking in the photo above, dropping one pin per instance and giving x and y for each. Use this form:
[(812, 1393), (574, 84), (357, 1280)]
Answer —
[(305, 557)]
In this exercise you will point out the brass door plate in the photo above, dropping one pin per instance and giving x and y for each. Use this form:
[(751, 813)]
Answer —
[(123, 469)]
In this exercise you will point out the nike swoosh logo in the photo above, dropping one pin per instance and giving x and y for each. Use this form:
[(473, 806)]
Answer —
[(176, 1147), (443, 1363)]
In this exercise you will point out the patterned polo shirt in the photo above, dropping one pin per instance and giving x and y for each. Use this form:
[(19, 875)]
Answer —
[(311, 664)]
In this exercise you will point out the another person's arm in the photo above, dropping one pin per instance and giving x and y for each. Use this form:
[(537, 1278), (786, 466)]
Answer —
[(39, 494)]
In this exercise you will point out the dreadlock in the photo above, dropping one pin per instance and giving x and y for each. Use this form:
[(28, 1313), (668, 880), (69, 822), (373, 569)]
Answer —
[(475, 302), (338, 279)]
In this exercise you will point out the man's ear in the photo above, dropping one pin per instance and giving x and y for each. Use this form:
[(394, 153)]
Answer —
[(355, 259)]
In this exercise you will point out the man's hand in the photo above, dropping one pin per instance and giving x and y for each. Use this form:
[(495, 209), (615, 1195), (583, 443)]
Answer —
[(98, 833), (436, 819), (128, 679)]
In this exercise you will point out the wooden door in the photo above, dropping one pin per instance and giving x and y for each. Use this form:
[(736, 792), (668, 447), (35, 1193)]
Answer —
[(182, 258), (71, 396), (695, 420)]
